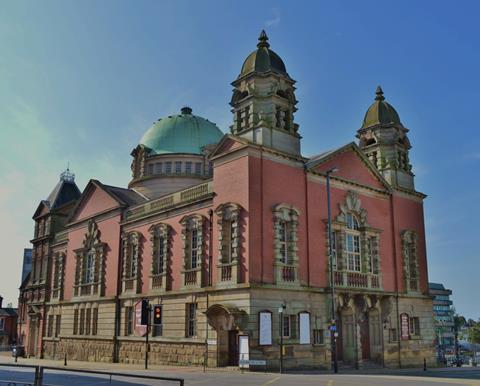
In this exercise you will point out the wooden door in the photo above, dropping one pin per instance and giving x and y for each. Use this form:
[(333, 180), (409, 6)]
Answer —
[(232, 348), (365, 337)]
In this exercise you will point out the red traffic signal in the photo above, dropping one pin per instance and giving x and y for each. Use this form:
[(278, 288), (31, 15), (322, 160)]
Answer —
[(157, 314)]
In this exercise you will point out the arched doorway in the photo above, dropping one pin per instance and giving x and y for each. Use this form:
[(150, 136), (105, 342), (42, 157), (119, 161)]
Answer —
[(225, 321)]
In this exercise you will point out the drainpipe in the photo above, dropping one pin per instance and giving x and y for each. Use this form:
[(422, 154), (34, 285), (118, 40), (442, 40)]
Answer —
[(306, 225), (118, 313)]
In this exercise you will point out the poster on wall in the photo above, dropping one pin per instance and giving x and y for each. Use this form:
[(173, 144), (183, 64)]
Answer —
[(304, 328), (404, 327), (265, 328), (140, 330)]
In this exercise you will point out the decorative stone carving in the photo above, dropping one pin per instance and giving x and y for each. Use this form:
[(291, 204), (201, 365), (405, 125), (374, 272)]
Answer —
[(352, 204)]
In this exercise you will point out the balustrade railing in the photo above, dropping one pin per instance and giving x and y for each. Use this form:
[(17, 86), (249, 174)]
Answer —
[(157, 281), (288, 273), (190, 277), (226, 274), (356, 279)]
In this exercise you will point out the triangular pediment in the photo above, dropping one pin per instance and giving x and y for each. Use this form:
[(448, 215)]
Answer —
[(42, 209), (228, 144), (94, 199), (352, 165)]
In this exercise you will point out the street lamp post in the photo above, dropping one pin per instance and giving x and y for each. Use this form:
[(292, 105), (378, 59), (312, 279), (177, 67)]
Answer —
[(280, 313), (333, 332)]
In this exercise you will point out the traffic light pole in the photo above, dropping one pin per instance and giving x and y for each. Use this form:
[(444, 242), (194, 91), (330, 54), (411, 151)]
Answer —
[(149, 309)]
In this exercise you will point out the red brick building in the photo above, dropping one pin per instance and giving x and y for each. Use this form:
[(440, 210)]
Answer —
[(8, 325), (225, 231)]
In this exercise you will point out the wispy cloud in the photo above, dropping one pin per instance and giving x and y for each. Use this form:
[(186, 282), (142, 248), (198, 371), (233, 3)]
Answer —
[(275, 19)]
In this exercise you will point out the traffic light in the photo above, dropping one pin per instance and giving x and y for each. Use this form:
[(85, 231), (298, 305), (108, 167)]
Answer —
[(157, 314), (145, 312)]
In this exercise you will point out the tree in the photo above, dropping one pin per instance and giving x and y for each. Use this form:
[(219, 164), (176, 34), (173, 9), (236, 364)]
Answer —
[(458, 322), (474, 338)]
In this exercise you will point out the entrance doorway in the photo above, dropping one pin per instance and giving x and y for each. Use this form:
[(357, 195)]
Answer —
[(223, 320)]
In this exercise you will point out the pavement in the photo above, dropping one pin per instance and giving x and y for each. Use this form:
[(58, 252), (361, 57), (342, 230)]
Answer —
[(228, 376)]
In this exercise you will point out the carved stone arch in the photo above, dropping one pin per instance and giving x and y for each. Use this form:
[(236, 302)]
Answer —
[(92, 237)]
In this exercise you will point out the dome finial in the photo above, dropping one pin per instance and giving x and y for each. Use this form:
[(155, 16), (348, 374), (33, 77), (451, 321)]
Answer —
[(67, 175), (379, 94), (263, 40), (186, 110)]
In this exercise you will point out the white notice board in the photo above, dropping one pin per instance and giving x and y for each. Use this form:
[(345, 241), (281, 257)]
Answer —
[(243, 351), (265, 328), (304, 328)]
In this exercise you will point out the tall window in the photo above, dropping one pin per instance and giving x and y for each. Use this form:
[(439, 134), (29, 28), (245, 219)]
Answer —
[(95, 321), (198, 168), (88, 273), (75, 321), (193, 248), (131, 257), (178, 167), (58, 323), (229, 232), (168, 167), (131, 260), (414, 326), (188, 167), (88, 320), (191, 320), (284, 233), (352, 244), (128, 320), (158, 168), (50, 325), (410, 260), (160, 263), (82, 322)]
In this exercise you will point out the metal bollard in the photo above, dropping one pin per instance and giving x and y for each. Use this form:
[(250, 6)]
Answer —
[(65, 360), (424, 364)]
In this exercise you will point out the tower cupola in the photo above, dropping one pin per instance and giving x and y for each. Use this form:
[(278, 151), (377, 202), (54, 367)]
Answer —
[(384, 140), (263, 101)]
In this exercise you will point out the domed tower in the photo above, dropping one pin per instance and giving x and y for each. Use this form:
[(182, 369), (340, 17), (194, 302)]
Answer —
[(172, 154), (263, 101), (384, 140)]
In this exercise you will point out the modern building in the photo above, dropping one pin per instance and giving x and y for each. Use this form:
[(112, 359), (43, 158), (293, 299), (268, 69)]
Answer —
[(444, 325), (8, 324), (227, 233)]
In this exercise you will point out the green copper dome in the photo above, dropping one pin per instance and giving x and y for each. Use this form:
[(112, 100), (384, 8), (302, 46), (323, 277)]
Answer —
[(263, 59), (380, 112), (183, 133)]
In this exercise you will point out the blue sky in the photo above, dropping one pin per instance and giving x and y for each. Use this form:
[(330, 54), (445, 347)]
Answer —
[(80, 82)]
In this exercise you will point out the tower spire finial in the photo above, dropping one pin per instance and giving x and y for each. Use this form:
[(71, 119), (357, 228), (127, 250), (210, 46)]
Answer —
[(263, 40), (379, 94), (67, 175)]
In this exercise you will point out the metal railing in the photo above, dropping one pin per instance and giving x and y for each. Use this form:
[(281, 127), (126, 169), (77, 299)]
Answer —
[(104, 377)]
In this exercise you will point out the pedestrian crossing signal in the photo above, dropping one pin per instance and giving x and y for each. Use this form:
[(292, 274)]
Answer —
[(157, 314)]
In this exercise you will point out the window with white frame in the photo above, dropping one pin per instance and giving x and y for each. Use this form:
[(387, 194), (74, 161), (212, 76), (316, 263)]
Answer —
[(160, 248), (89, 271), (352, 244), (410, 259), (193, 252)]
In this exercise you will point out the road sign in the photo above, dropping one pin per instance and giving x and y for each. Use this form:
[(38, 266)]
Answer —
[(253, 362)]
